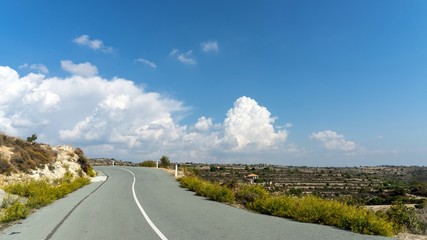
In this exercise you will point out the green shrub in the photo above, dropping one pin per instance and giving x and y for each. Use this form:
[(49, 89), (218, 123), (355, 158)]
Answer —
[(249, 193), (218, 193), (404, 217), (15, 211), (32, 138), (363, 221), (421, 205), (148, 163), (314, 209), (377, 201), (164, 162), (191, 171), (91, 172), (295, 191), (41, 192), (189, 182), (279, 206), (209, 190)]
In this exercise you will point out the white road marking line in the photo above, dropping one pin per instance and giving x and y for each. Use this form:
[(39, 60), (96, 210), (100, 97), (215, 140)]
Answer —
[(159, 233)]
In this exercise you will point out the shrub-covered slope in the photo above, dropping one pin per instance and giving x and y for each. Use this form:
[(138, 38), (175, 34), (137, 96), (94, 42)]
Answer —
[(20, 159)]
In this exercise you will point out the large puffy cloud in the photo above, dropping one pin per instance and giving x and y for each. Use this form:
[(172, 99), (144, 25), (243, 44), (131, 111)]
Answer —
[(251, 125), (27, 90), (84, 109), (116, 118), (333, 141)]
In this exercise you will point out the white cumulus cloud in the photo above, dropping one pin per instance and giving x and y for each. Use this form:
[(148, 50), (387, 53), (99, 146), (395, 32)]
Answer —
[(203, 124), (48, 101), (86, 110), (117, 118), (210, 46), (250, 125), (186, 58), (333, 141), (146, 62), (24, 101), (8, 74), (94, 44), (81, 69)]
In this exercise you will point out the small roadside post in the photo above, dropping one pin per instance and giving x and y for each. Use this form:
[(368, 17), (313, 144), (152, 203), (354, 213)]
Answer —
[(176, 170)]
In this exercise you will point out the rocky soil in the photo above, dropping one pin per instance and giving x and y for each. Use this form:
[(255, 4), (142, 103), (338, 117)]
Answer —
[(66, 160)]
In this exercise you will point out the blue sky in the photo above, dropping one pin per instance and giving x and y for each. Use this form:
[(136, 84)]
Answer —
[(322, 83)]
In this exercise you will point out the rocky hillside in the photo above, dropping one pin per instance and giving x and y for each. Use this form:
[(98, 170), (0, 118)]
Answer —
[(25, 159)]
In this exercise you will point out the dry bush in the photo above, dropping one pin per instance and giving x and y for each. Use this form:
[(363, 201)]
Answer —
[(422, 216), (22, 162), (26, 156), (5, 167), (84, 163)]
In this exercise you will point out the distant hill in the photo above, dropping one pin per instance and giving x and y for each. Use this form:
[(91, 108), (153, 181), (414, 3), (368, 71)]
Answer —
[(111, 161), (21, 159)]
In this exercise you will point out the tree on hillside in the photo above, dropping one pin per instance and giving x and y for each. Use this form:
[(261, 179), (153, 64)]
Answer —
[(32, 139), (164, 162)]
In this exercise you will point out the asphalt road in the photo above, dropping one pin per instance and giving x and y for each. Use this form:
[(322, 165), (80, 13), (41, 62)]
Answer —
[(155, 207)]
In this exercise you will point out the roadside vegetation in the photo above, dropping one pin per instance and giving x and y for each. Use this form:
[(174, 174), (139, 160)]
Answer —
[(164, 162), (34, 194), (397, 195), (309, 208), (20, 157), (375, 187), (209, 190)]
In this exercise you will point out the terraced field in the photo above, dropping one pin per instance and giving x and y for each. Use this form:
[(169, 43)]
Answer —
[(361, 182)]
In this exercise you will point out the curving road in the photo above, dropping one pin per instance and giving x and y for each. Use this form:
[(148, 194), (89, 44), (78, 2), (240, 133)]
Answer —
[(141, 203)]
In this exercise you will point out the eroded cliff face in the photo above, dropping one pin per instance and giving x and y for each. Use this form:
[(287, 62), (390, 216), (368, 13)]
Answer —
[(21, 160)]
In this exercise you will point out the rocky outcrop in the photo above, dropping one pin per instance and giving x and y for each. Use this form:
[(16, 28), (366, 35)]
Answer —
[(66, 161), (21, 160)]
